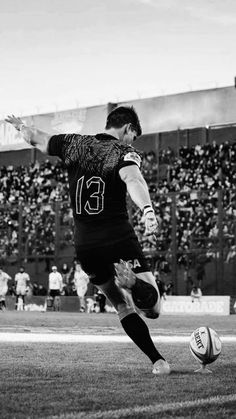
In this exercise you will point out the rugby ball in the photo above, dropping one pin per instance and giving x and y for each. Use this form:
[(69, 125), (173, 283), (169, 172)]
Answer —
[(205, 345)]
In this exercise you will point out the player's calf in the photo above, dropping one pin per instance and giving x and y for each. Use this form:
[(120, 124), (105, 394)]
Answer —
[(145, 293)]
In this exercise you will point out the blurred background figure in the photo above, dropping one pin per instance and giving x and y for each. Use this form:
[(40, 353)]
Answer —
[(22, 281), (4, 278), (196, 293), (42, 290), (65, 272), (80, 281), (101, 301), (169, 288), (161, 285), (90, 305), (55, 287)]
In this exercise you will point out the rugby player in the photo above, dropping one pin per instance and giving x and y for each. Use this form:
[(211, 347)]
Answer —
[(101, 169)]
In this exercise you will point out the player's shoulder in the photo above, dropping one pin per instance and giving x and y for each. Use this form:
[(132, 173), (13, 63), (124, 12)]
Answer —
[(132, 155), (75, 139), (77, 147)]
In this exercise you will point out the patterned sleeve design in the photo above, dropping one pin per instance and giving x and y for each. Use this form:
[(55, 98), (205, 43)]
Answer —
[(93, 156)]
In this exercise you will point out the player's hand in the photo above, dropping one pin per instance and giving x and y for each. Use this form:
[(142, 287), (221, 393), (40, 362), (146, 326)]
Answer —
[(15, 121), (125, 277), (151, 221)]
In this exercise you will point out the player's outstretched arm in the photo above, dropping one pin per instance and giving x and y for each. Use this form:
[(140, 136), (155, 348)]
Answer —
[(31, 135), (138, 191)]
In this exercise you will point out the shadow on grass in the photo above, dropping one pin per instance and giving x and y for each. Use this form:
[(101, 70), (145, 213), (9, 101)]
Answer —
[(182, 372)]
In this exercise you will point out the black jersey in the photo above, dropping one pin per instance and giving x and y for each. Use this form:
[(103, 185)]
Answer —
[(97, 193)]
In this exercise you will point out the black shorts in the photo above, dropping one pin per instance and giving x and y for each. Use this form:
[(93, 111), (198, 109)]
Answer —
[(99, 263), (54, 293)]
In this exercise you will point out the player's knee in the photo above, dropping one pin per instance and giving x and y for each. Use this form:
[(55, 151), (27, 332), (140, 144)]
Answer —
[(151, 314), (145, 295)]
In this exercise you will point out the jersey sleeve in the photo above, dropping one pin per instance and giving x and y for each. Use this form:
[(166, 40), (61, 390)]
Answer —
[(56, 145), (130, 157), (65, 146)]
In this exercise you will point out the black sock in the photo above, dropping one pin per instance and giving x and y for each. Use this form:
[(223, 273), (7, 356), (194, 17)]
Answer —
[(138, 331)]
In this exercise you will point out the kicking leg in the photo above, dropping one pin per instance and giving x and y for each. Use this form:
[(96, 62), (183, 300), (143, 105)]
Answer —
[(146, 297), (134, 325)]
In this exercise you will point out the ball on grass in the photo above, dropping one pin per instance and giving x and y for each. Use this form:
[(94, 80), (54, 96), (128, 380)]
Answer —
[(205, 345)]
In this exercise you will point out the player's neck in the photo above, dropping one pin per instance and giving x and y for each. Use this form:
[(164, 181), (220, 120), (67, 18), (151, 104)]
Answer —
[(113, 132)]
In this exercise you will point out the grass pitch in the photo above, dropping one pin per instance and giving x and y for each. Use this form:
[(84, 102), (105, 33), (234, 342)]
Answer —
[(111, 380)]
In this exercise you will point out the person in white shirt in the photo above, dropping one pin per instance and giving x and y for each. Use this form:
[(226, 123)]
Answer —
[(81, 281), (196, 293), (55, 285), (4, 278), (22, 280)]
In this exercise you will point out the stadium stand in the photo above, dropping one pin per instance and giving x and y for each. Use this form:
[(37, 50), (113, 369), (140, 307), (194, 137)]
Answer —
[(191, 188)]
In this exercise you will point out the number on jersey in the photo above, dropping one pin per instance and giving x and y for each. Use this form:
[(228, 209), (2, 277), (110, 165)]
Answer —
[(95, 202)]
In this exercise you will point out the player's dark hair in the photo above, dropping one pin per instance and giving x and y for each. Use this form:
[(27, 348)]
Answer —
[(124, 115)]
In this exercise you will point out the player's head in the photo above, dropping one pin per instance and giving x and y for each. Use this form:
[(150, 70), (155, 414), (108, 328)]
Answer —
[(125, 121), (54, 268), (22, 269)]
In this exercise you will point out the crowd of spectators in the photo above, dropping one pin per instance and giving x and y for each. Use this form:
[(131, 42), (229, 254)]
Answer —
[(190, 191), (197, 187), (28, 197)]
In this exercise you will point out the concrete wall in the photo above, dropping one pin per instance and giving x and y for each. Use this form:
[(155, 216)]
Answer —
[(157, 114), (186, 110)]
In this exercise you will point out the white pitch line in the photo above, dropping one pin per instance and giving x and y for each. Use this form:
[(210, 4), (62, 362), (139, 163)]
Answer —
[(154, 409), (74, 338)]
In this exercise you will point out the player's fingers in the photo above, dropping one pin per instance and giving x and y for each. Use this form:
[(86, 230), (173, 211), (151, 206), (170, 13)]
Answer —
[(122, 262), (119, 270), (117, 281)]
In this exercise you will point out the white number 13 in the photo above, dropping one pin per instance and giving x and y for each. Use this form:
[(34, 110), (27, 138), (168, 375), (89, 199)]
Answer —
[(95, 202)]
